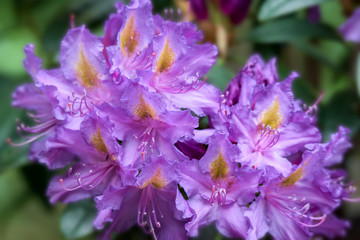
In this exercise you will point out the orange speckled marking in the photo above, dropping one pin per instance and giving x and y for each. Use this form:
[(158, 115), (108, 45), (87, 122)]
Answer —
[(219, 168), (129, 38), (98, 142), (144, 110), (166, 58), (86, 73)]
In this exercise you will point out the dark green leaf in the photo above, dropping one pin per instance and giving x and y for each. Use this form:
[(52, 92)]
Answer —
[(13, 157), (286, 30), (219, 75), (183, 193), (13, 192), (77, 219), (275, 8), (302, 90), (315, 53), (7, 14), (341, 110), (358, 73)]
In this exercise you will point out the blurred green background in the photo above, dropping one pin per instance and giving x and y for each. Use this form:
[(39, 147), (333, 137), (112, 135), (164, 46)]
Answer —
[(315, 50)]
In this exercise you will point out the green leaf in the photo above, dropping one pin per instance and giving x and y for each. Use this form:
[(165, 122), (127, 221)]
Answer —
[(7, 14), (37, 221), (302, 90), (12, 46), (77, 219), (13, 157), (275, 8), (286, 30), (332, 14), (13, 192), (219, 75), (340, 110), (316, 53), (358, 73)]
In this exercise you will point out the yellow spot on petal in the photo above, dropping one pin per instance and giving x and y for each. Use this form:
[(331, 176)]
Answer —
[(86, 73), (295, 176), (129, 38), (166, 58), (157, 180), (219, 168), (144, 110), (272, 116), (98, 142)]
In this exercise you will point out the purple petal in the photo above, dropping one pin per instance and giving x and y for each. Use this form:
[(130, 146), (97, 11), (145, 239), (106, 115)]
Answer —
[(350, 29), (31, 63)]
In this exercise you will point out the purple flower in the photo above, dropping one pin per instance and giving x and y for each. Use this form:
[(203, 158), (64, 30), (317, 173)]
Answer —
[(121, 115), (266, 129), (99, 165), (39, 101), (147, 128), (218, 191), (328, 155), (256, 72), (82, 81), (164, 56), (350, 29), (305, 199), (32, 98), (131, 49), (332, 227), (150, 203), (293, 204)]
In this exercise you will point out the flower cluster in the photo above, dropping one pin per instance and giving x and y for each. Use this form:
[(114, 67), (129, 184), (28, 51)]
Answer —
[(121, 114)]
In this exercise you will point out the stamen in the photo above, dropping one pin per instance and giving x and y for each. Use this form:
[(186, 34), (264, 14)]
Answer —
[(147, 208), (352, 199), (148, 136), (224, 106), (32, 139), (68, 189), (218, 193), (313, 108), (72, 20), (100, 173), (180, 19), (83, 105)]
